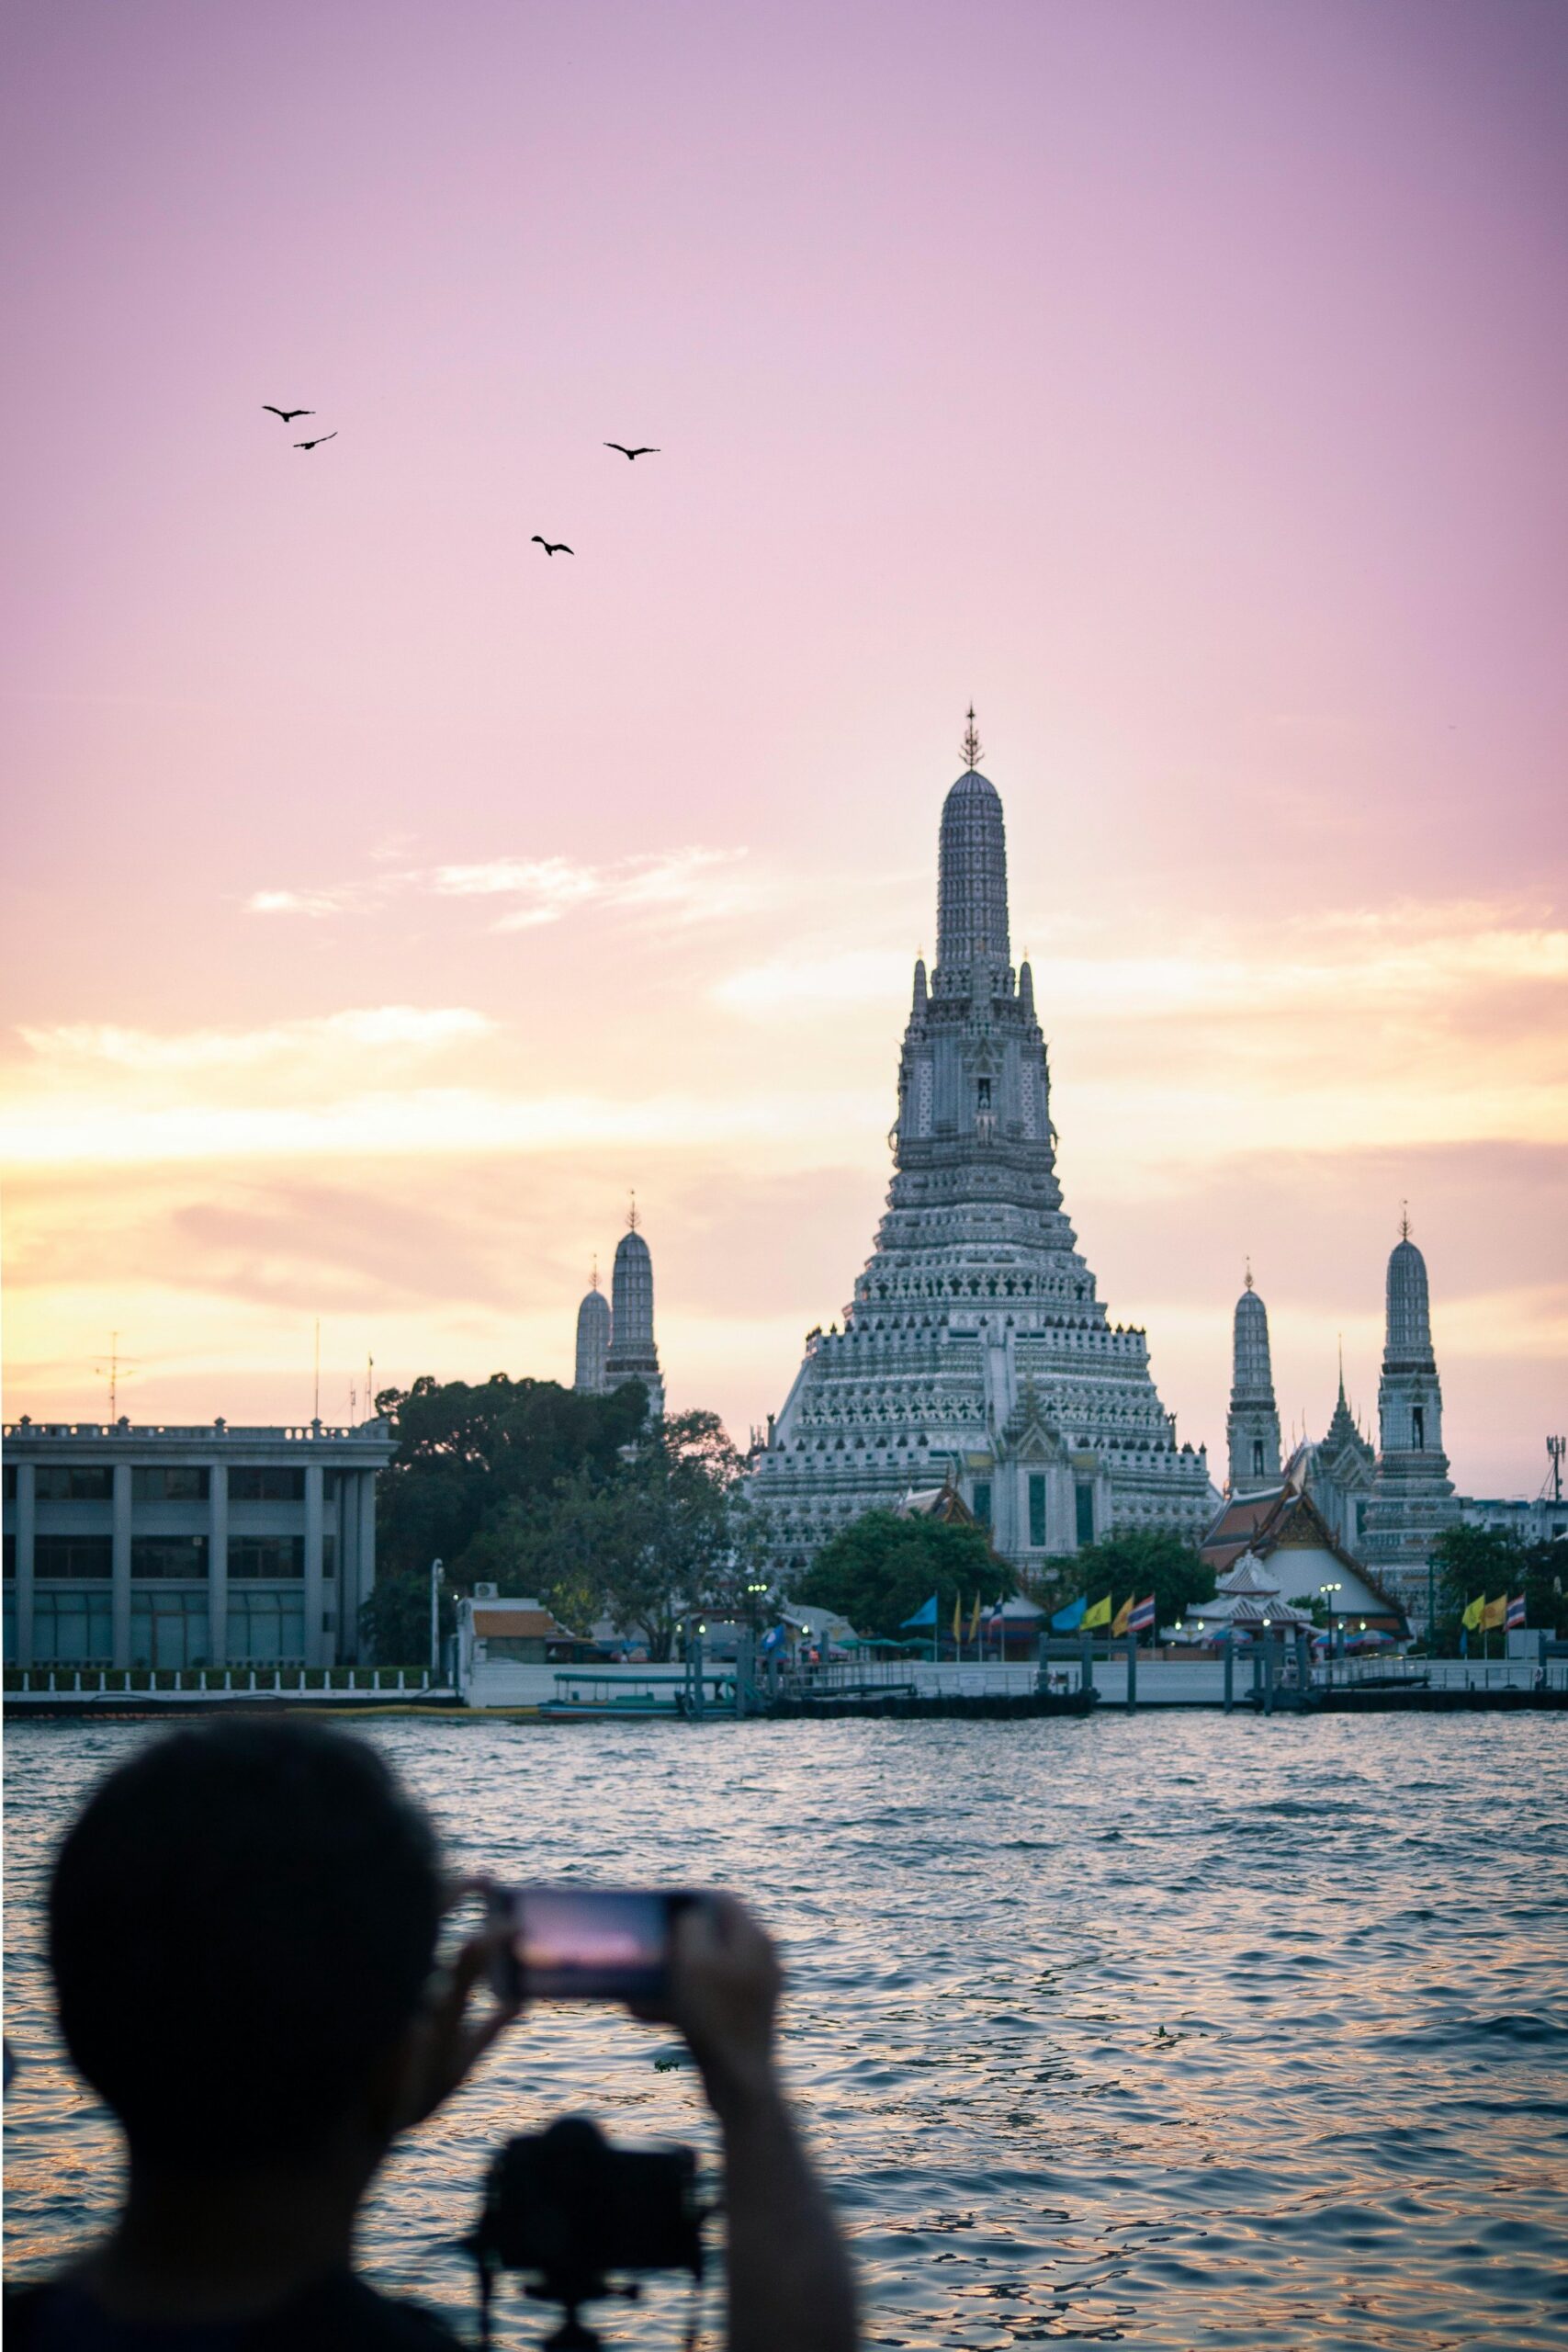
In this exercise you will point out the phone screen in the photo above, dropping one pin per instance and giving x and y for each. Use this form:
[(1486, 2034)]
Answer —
[(590, 1944)]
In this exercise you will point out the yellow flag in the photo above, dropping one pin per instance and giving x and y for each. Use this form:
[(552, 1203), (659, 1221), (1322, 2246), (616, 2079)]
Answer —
[(1098, 1614), (957, 1620), (1494, 1613), (975, 1621), (1118, 1625), (1471, 1620)]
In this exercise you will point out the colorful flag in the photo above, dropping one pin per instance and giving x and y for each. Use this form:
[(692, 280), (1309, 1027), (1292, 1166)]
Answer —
[(925, 1614), (957, 1620), (1514, 1623), (1493, 1613), (1070, 1619), (1099, 1615), (1471, 1620), (975, 1621), (1142, 1619), (1119, 1622)]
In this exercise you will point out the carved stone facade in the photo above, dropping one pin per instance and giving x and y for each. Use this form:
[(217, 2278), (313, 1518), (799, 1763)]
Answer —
[(1412, 1501), (974, 1347), (1252, 1424)]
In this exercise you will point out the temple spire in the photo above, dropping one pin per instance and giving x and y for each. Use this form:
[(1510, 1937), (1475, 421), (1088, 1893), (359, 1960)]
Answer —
[(970, 747)]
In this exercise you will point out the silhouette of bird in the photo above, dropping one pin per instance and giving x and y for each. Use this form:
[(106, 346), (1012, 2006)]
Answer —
[(631, 453), (318, 441), (557, 546), (288, 414)]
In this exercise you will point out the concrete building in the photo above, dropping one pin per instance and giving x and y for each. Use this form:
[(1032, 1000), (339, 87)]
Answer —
[(975, 1352), (128, 1546)]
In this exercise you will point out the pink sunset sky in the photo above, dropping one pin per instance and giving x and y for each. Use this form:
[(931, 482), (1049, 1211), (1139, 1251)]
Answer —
[(382, 899)]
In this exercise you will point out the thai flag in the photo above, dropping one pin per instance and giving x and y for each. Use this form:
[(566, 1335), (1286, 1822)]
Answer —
[(1514, 1623), (1142, 1619)]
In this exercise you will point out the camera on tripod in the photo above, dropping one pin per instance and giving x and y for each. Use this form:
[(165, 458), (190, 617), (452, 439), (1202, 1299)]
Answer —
[(566, 2209)]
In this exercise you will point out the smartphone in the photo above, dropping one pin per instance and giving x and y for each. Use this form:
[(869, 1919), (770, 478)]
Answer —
[(585, 1943)]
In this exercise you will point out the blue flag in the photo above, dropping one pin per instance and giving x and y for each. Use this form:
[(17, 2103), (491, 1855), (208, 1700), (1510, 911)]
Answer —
[(1068, 1620), (925, 1615)]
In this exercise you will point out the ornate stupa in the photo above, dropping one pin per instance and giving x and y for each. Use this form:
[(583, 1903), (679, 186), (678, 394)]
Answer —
[(592, 1340), (1412, 1498), (632, 1354), (975, 1352), (1252, 1424)]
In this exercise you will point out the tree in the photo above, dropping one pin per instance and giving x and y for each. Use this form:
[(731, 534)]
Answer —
[(1145, 1560), (681, 1492), (1473, 1562), (474, 1483), (881, 1568)]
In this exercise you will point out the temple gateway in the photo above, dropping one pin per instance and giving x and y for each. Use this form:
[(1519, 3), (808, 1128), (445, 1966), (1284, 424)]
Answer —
[(975, 1352)]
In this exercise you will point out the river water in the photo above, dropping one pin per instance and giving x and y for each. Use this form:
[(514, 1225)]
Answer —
[(1173, 2032)]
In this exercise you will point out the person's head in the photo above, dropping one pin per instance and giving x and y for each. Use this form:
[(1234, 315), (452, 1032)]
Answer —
[(242, 1922)]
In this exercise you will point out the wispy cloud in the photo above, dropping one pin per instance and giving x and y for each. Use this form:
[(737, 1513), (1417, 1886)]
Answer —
[(372, 1028), (684, 885)]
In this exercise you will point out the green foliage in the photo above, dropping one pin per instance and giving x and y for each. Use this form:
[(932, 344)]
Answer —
[(577, 1500), (1141, 1561), (881, 1568), (1473, 1562)]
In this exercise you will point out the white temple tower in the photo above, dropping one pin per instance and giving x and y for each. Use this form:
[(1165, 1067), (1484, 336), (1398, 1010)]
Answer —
[(632, 1354), (975, 1349), (1413, 1496), (1252, 1424), (592, 1340)]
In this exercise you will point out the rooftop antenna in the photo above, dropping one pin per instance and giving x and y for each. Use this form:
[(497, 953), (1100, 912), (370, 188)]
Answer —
[(1555, 1449), (970, 747), (370, 1388), (114, 1372), (316, 1386)]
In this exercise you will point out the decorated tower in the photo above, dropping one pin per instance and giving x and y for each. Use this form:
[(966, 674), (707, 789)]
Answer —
[(975, 1352), (1412, 1498), (1252, 1425), (632, 1354), (592, 1340)]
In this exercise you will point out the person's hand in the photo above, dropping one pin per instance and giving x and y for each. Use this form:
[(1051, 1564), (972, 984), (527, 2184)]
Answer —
[(724, 1992), (445, 2043)]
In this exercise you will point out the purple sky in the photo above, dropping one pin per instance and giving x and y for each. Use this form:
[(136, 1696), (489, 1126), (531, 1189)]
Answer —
[(1184, 382)]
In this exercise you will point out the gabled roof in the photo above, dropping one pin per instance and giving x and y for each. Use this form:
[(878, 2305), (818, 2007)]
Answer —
[(525, 1621), (1284, 1518)]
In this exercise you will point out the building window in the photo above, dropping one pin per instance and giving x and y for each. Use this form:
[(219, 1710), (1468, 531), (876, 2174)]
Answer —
[(170, 1482), (168, 1555), (1418, 1415), (168, 1628), (73, 1629), (74, 1555), (266, 1629), (1037, 1509), (267, 1556), (10, 1554), (1361, 1518), (74, 1482), (8, 1481), (264, 1483), (1083, 1496), (983, 1501), (1257, 1457)]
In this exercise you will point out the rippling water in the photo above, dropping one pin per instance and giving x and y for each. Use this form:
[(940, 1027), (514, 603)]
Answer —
[(1179, 2031)]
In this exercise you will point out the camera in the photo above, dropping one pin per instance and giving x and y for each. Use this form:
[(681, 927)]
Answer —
[(565, 2208)]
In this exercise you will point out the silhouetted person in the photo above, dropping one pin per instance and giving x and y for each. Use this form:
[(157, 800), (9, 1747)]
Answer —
[(243, 1926)]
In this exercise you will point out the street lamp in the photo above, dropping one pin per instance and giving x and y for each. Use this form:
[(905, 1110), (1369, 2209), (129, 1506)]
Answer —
[(436, 1574)]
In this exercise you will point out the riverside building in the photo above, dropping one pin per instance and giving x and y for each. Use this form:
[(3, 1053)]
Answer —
[(128, 1546), (976, 1353)]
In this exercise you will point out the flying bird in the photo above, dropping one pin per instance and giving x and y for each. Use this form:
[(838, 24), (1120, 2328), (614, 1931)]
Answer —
[(557, 546), (318, 441), (288, 414), (631, 453)]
